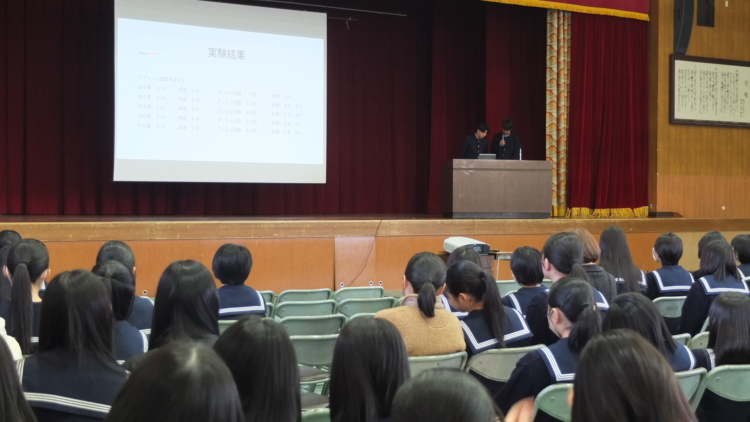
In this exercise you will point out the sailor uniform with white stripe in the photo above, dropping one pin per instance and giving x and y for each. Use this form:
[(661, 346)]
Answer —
[(519, 300), (36, 310), (670, 280), (621, 284), (536, 316), (699, 298), (478, 334), (62, 386), (704, 358), (744, 270), (682, 359), (238, 300), (537, 370), (141, 314), (128, 341)]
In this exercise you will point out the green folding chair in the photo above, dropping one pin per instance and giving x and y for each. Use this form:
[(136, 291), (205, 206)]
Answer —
[(498, 364), (683, 338), (699, 341), (225, 323), (303, 295), (553, 401), (693, 383), (351, 307), (313, 325), (268, 295), (731, 382), (309, 308), (367, 292), (670, 306), (422, 363), (506, 286), (317, 415)]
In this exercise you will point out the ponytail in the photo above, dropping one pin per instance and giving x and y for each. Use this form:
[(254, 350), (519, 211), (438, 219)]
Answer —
[(20, 307), (120, 285), (426, 299), (469, 278), (574, 297), (493, 307), (577, 271), (585, 327)]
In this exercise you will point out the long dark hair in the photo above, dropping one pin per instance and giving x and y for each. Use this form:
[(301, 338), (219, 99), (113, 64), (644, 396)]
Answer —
[(186, 306), (191, 383), (364, 379), (616, 258), (729, 328), (565, 252), (426, 274), (574, 297), (620, 377), (119, 251), (261, 358), (13, 404), (717, 259), (77, 316), (28, 259), (709, 237), (469, 278), (636, 312), (438, 395), (121, 285), (7, 238)]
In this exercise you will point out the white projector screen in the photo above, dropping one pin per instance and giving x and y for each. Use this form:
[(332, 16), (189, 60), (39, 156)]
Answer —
[(215, 92)]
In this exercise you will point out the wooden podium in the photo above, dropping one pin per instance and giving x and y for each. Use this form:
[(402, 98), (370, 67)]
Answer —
[(497, 189)]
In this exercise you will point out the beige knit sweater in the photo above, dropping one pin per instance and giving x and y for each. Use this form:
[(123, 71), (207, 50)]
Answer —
[(424, 336)]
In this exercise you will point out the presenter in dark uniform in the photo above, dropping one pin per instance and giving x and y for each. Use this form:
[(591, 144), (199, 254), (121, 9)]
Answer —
[(475, 144), (505, 145), (573, 316)]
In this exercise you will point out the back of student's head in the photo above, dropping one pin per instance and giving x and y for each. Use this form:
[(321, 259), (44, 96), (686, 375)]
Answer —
[(464, 253), (28, 260), (370, 363), (729, 328), (443, 395), (565, 252), (13, 404), (526, 265), (232, 264), (621, 377), (636, 312), (669, 249), (717, 259), (186, 306), (709, 237), (574, 297), (617, 260), (261, 358), (120, 283), (7, 238), (426, 274), (77, 315), (470, 279), (591, 249), (741, 245), (115, 250), (179, 382)]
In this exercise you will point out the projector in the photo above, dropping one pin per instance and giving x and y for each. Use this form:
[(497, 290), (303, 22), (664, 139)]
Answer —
[(450, 244)]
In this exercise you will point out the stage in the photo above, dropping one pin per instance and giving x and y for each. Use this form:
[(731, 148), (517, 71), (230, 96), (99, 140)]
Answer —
[(328, 251)]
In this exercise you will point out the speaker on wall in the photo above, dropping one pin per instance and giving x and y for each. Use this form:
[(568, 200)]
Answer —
[(683, 24)]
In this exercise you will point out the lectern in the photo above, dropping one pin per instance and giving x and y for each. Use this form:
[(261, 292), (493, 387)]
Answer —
[(497, 189)]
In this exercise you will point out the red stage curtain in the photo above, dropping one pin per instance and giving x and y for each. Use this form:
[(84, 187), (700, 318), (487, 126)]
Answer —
[(608, 130)]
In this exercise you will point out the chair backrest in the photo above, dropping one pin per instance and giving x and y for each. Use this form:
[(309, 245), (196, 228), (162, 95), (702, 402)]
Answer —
[(731, 382), (507, 286), (303, 295), (699, 341), (547, 282), (351, 307), (312, 308), (268, 295), (314, 350), (670, 306), (317, 415), (693, 383), (313, 325), (225, 323), (498, 364), (270, 307), (367, 292), (360, 315), (421, 363), (553, 401), (683, 338)]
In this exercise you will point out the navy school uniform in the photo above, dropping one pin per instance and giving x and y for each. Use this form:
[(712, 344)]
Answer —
[(621, 284), (141, 314), (537, 370), (519, 300), (240, 300), (671, 280), (704, 358), (682, 359), (744, 270), (712, 407), (36, 310), (62, 386), (448, 306), (478, 334), (536, 317), (128, 341), (699, 298)]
